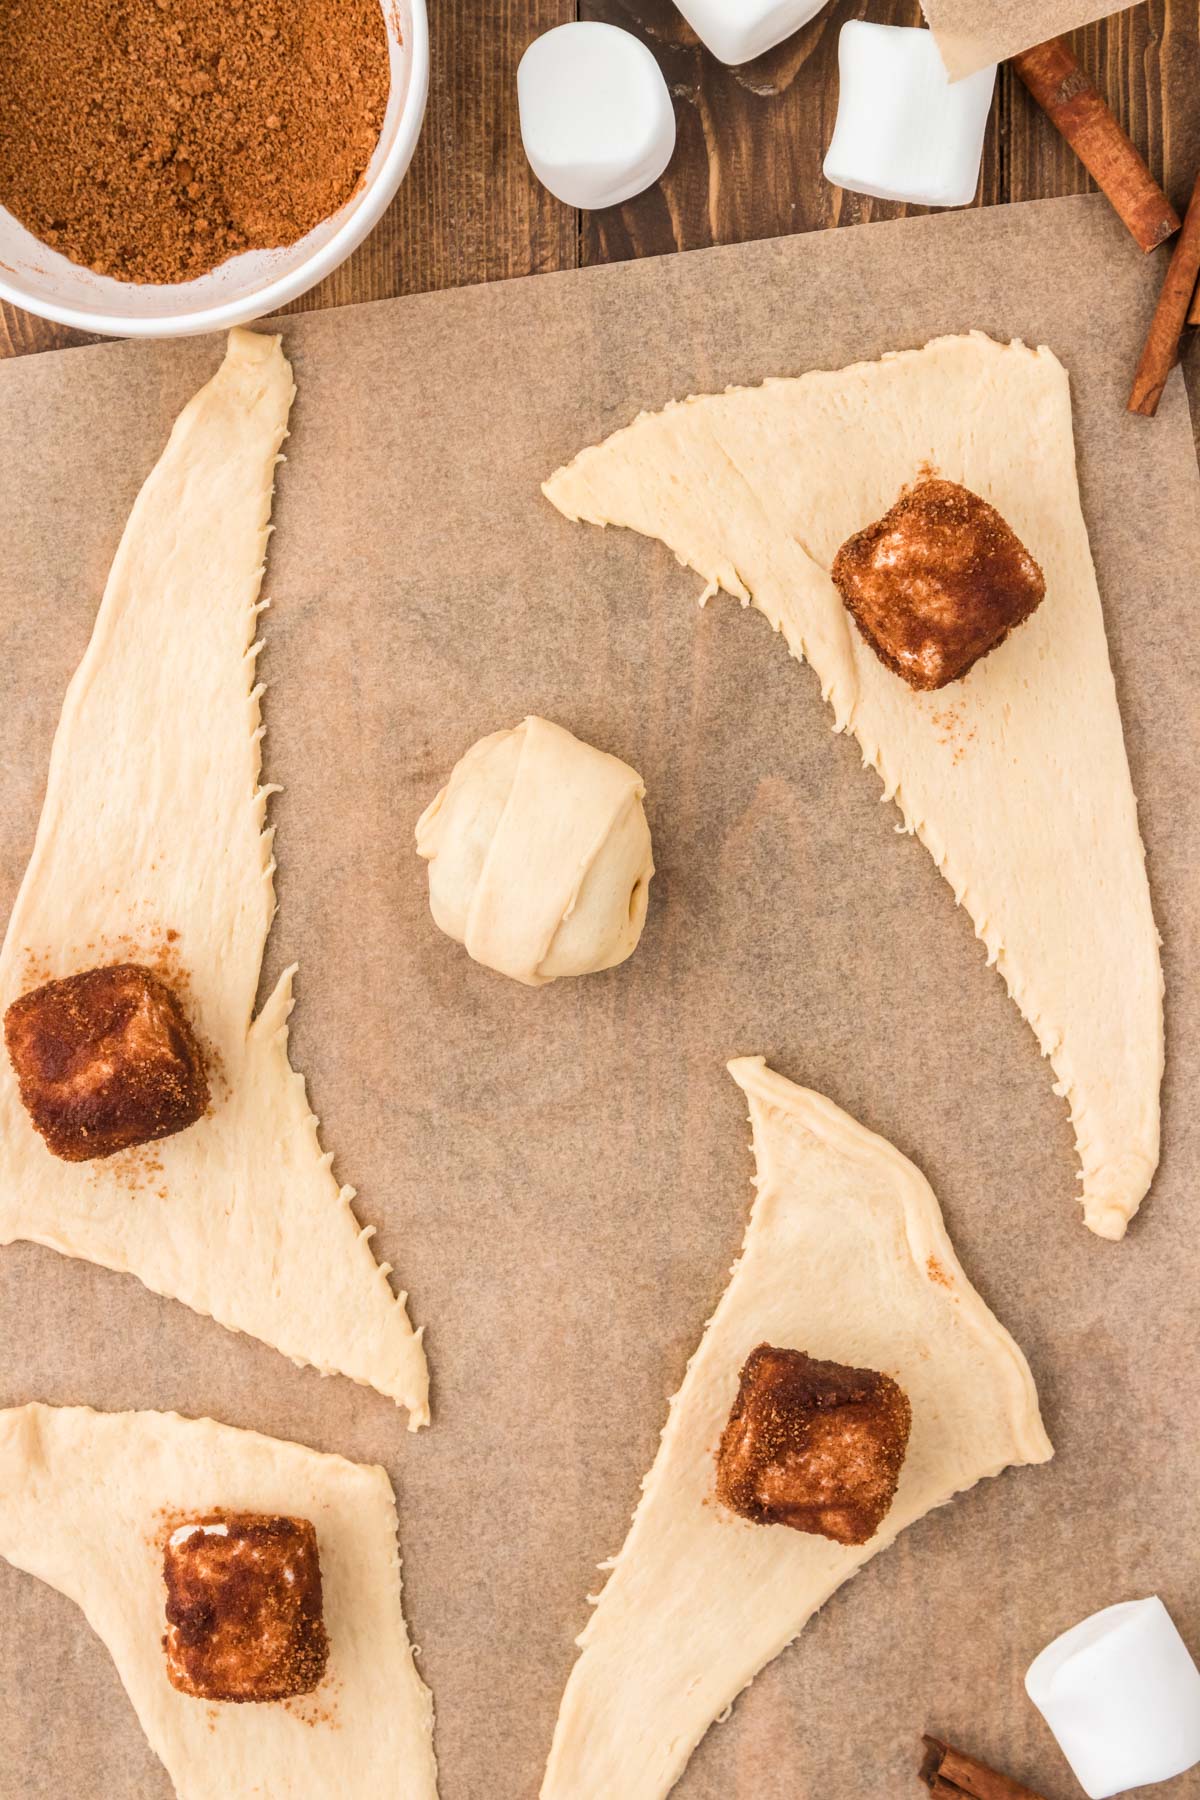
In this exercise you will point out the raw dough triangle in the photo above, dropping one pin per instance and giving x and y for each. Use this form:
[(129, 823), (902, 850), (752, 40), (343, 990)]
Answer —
[(152, 847), (86, 1502), (846, 1257), (1015, 779)]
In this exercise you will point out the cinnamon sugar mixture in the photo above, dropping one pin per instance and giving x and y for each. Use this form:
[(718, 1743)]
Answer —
[(152, 139)]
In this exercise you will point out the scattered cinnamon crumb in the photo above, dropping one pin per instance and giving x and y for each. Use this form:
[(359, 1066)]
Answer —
[(953, 732)]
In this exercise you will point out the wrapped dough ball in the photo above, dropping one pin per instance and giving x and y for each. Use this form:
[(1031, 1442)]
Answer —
[(539, 855)]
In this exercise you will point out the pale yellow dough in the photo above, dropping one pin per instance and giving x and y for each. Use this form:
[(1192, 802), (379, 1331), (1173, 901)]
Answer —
[(86, 1500), (539, 854), (154, 824), (845, 1257), (1015, 779)]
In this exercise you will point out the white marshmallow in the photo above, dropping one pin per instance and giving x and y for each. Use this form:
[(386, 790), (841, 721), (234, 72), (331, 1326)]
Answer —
[(904, 131), (736, 30), (182, 1532), (1121, 1694), (596, 118)]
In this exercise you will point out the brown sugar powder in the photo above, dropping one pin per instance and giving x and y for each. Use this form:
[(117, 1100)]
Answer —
[(152, 139)]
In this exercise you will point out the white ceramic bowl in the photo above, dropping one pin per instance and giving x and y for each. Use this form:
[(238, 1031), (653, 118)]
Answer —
[(41, 280)]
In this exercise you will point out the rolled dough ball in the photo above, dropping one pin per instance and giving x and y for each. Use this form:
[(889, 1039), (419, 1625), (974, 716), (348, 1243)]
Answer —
[(539, 854)]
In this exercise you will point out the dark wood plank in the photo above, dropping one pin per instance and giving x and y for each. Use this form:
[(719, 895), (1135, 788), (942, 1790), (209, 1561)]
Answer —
[(1146, 63), (751, 143), (22, 332), (751, 140)]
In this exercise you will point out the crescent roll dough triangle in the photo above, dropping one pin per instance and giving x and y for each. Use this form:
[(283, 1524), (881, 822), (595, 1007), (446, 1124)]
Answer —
[(152, 847), (847, 1258), (87, 1501), (1015, 779)]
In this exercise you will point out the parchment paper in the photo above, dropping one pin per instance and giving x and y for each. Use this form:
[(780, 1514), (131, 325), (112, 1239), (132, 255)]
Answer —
[(972, 33), (561, 1177)]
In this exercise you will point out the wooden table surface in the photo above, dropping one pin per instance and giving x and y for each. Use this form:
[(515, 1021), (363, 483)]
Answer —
[(748, 160)]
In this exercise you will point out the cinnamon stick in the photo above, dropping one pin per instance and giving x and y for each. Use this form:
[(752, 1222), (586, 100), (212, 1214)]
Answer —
[(1170, 315), (951, 1774), (1054, 77)]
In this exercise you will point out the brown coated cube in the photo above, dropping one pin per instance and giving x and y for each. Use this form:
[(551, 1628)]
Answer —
[(813, 1445), (104, 1060), (937, 583), (244, 1608)]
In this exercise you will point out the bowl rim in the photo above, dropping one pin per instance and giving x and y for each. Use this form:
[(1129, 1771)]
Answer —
[(265, 300)]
